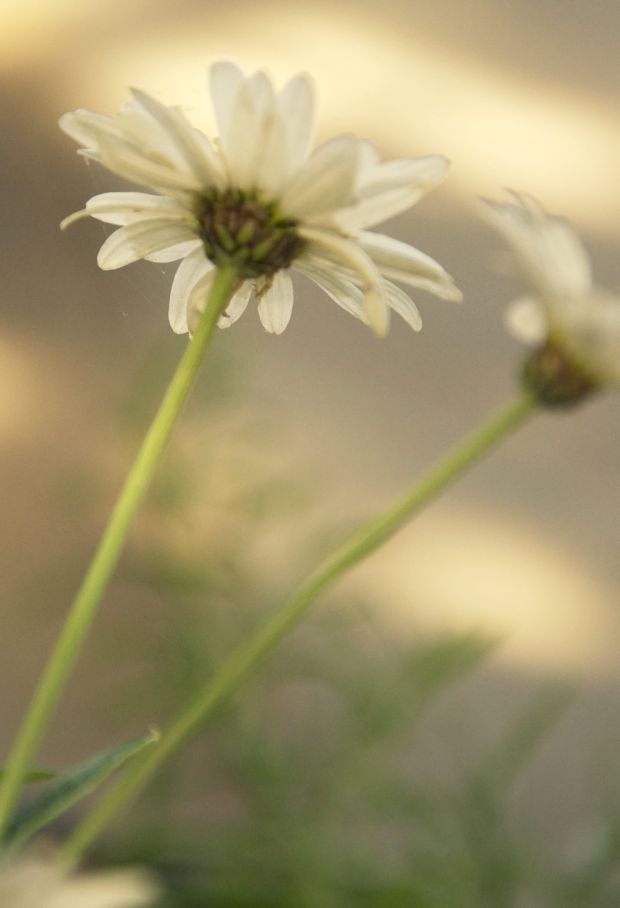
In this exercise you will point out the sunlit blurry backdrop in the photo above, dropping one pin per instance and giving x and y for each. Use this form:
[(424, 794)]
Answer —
[(518, 93)]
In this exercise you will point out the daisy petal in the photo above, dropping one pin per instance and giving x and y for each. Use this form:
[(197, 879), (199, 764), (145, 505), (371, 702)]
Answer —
[(197, 300), (296, 106), (419, 173), (597, 340), (325, 182), (526, 321), (405, 263), (398, 300), (256, 144), (345, 251), (224, 81), (135, 241), (174, 253), (276, 304), (388, 189), (122, 158), (376, 310), (182, 136), (547, 248), (375, 210), (237, 305), (343, 292), (84, 126), (125, 207), (192, 269)]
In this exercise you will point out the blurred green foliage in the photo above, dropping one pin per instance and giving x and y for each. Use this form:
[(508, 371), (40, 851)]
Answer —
[(322, 785)]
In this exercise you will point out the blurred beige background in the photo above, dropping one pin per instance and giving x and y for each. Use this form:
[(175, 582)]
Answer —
[(518, 93)]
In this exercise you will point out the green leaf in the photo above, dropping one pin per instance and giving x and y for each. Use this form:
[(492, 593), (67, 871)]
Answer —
[(72, 786), (35, 775), (503, 765), (446, 661)]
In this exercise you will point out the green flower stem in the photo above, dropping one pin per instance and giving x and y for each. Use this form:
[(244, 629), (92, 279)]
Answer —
[(246, 659), (93, 586)]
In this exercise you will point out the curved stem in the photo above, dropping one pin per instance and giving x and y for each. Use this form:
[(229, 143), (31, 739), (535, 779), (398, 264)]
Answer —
[(84, 607), (242, 663)]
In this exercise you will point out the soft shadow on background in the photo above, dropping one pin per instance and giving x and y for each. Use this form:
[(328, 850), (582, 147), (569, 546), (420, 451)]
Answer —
[(520, 94)]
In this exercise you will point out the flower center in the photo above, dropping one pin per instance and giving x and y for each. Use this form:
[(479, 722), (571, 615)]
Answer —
[(240, 229), (554, 379)]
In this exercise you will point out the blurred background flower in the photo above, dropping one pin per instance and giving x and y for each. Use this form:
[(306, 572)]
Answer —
[(34, 882), (524, 549)]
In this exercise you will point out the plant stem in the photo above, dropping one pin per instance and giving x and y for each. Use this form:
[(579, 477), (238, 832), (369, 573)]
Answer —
[(242, 663), (84, 606)]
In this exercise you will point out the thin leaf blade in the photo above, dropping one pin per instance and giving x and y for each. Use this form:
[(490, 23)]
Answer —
[(70, 787)]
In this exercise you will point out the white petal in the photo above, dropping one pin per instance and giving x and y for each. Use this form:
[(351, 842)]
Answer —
[(405, 263), (385, 190), (325, 182), (192, 269), (347, 252), (356, 260), (132, 144), (271, 165), (276, 304), (106, 889), (255, 146), (84, 126), (420, 173), (224, 81), (589, 329), (183, 137), (125, 207), (525, 320), (343, 292), (377, 311), (237, 305), (135, 241), (402, 304), (174, 253), (198, 299), (296, 106), (547, 248), (375, 210), (123, 158)]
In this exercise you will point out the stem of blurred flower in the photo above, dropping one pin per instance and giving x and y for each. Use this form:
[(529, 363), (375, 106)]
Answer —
[(242, 663), (84, 607)]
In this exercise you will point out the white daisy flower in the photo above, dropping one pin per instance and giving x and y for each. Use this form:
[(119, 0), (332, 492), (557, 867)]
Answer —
[(257, 199), (36, 883), (574, 324)]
